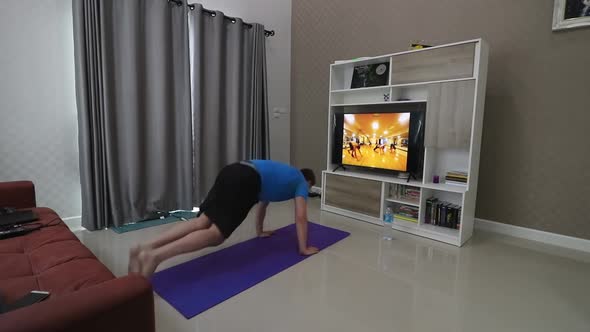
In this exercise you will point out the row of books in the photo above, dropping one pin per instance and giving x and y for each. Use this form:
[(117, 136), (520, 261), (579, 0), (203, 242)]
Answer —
[(441, 213), (399, 191), (407, 213), (456, 177)]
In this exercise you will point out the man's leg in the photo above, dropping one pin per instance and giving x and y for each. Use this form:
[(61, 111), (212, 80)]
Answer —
[(149, 259), (178, 231)]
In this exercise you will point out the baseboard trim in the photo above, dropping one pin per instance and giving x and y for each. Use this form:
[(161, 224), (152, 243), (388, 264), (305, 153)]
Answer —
[(74, 223), (533, 235)]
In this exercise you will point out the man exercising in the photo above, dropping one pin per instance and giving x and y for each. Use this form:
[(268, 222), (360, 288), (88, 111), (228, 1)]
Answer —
[(237, 188)]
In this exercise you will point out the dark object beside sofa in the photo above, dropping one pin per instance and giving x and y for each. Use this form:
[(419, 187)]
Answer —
[(85, 295)]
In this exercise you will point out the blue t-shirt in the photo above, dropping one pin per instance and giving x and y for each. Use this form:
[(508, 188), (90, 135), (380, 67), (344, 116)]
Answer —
[(280, 182)]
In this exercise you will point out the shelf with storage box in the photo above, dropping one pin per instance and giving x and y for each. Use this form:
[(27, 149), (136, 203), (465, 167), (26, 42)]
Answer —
[(451, 79)]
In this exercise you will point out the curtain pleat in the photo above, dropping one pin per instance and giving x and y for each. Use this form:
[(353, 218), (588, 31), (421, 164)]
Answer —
[(229, 105), (132, 90)]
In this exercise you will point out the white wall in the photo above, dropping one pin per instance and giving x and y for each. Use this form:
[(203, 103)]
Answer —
[(38, 124), (274, 15)]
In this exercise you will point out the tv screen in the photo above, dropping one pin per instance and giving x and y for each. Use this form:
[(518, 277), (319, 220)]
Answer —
[(388, 140)]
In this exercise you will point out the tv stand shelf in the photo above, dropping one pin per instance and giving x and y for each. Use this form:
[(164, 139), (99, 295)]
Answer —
[(451, 80), (376, 177), (403, 201)]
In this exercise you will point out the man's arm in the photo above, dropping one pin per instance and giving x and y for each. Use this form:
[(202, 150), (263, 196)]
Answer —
[(261, 214), (301, 225)]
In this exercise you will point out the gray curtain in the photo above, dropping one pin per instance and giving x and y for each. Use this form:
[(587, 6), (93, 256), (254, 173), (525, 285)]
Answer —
[(229, 95), (132, 89)]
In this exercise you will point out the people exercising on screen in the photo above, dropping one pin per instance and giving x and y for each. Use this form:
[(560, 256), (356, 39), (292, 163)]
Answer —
[(238, 187), (379, 145), (354, 148)]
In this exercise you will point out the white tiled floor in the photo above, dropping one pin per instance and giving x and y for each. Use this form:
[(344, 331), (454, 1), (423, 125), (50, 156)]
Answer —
[(411, 284)]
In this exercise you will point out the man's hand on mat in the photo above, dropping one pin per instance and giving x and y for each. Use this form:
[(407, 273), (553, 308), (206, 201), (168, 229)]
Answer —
[(265, 233), (309, 251)]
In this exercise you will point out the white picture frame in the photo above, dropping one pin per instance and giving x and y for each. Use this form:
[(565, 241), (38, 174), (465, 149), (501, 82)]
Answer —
[(578, 14)]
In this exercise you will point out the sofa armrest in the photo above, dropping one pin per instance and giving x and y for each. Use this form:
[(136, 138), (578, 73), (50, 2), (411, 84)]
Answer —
[(18, 194), (123, 304)]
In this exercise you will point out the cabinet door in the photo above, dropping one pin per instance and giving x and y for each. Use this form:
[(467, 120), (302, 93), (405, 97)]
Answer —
[(353, 194), (449, 114), (444, 63)]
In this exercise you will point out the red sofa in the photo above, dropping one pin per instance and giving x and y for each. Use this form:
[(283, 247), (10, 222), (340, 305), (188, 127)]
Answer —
[(85, 295)]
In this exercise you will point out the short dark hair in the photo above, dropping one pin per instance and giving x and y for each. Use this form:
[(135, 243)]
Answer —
[(308, 175)]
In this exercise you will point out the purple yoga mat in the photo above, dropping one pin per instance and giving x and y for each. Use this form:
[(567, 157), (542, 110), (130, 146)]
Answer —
[(206, 281)]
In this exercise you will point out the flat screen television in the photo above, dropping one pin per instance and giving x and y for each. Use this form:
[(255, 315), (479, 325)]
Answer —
[(381, 137)]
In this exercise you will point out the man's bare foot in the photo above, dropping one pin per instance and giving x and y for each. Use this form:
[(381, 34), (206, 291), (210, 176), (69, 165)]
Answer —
[(148, 263), (134, 263)]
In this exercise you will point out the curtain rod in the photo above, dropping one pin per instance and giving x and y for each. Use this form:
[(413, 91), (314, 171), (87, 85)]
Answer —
[(213, 13)]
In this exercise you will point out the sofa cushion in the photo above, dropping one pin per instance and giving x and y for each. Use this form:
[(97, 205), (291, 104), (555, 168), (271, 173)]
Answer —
[(72, 276), (18, 194), (50, 259), (13, 289), (57, 253), (46, 236), (14, 265), (47, 216), (11, 246)]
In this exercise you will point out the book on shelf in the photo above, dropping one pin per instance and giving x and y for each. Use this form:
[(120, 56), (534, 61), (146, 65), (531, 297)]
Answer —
[(456, 178), (405, 218), (455, 183), (458, 173), (407, 211), (403, 192), (444, 214)]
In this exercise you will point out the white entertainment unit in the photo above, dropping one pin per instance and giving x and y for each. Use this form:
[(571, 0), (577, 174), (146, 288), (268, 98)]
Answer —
[(451, 79)]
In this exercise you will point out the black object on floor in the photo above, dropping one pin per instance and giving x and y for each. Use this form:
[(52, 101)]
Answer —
[(314, 195), (156, 215)]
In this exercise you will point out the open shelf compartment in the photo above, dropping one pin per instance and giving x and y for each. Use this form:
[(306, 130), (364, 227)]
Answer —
[(342, 72), (404, 200), (441, 211), (372, 95), (438, 162)]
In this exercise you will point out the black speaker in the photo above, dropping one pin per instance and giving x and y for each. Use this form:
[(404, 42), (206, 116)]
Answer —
[(337, 137)]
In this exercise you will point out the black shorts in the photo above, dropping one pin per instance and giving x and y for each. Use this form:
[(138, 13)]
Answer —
[(234, 193)]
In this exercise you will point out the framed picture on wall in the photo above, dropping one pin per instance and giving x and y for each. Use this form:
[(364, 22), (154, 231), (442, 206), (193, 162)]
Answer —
[(569, 14)]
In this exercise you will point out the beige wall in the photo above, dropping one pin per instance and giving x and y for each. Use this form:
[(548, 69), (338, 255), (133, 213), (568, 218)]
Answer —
[(535, 161), (38, 118)]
